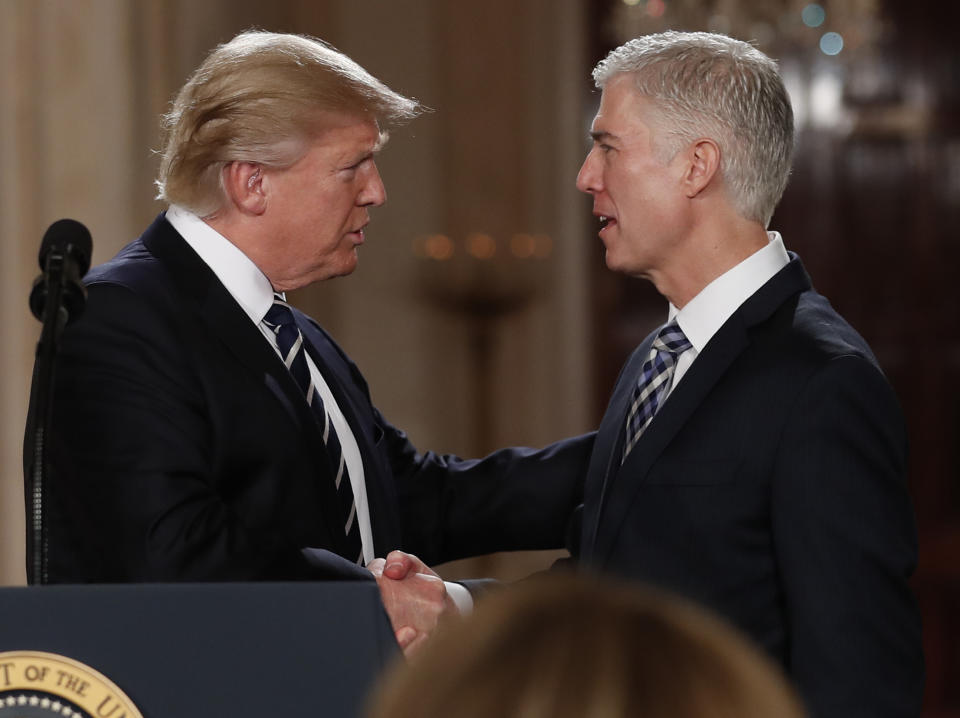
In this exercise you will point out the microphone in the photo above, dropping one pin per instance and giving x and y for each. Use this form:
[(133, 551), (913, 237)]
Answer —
[(58, 297), (64, 258)]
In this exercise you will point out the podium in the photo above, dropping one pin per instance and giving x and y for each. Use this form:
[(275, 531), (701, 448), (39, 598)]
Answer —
[(227, 650)]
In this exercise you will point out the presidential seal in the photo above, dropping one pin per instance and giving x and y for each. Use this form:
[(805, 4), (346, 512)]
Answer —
[(41, 685)]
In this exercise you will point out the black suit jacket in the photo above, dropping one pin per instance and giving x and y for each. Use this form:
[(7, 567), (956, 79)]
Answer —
[(184, 450), (771, 487)]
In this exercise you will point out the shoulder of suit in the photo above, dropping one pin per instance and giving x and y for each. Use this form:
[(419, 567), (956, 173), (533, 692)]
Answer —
[(818, 333), (136, 279), (131, 262)]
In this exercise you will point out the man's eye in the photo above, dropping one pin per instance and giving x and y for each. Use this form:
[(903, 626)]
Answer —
[(358, 164)]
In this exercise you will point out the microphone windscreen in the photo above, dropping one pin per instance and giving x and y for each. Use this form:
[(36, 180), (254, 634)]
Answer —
[(70, 237)]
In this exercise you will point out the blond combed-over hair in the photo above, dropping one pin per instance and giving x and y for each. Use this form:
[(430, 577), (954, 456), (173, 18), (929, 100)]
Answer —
[(260, 98), (709, 85)]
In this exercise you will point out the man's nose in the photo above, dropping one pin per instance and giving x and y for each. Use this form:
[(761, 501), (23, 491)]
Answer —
[(588, 177), (374, 193)]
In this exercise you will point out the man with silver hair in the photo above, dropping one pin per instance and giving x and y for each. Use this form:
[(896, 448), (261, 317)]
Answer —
[(752, 455), (205, 429)]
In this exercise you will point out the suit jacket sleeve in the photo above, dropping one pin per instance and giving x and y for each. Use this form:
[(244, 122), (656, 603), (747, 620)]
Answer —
[(141, 491), (845, 541), (513, 499)]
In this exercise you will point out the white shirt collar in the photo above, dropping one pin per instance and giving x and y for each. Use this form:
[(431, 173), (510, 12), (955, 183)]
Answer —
[(237, 272), (703, 315)]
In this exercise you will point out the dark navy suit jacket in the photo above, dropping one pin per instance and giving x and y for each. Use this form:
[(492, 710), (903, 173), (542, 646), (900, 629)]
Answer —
[(771, 487), (184, 451)]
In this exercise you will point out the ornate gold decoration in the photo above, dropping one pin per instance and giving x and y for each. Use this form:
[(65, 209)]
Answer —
[(46, 683)]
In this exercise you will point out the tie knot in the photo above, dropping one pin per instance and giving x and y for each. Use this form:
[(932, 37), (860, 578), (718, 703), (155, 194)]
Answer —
[(279, 315), (671, 339)]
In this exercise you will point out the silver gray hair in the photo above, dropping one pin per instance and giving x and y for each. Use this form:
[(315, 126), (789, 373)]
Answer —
[(709, 85)]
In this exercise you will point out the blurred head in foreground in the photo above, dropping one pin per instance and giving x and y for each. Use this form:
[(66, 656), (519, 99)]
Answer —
[(562, 647)]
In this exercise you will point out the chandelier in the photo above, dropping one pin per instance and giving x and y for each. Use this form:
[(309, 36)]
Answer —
[(778, 27)]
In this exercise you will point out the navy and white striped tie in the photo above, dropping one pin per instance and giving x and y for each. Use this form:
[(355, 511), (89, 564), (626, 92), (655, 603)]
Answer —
[(656, 376), (280, 321)]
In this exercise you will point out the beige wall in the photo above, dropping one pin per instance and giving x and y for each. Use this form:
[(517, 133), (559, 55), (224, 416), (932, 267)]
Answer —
[(84, 81), (58, 158)]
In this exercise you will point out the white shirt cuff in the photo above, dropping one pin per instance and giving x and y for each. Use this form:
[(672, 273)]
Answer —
[(461, 597)]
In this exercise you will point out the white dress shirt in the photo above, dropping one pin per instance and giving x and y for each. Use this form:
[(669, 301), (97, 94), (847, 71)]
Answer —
[(703, 315)]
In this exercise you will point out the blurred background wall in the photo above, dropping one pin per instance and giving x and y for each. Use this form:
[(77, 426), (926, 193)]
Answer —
[(482, 313)]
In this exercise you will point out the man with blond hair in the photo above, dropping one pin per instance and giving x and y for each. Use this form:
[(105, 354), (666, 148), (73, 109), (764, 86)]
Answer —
[(752, 455), (206, 430)]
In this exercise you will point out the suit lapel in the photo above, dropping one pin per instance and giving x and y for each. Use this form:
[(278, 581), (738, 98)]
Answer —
[(619, 485), (608, 445), (356, 409)]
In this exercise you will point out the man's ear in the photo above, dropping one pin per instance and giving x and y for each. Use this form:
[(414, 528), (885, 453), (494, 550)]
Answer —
[(703, 165), (243, 182)]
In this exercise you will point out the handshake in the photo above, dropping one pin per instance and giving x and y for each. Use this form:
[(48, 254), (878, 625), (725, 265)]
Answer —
[(415, 597)]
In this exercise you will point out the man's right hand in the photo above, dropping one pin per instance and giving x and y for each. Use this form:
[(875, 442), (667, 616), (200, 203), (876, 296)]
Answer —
[(415, 597)]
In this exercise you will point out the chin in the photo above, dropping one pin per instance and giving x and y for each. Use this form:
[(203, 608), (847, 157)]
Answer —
[(612, 263), (621, 267), (345, 270)]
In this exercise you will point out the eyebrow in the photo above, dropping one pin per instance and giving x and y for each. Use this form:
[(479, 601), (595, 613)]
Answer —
[(601, 135), (370, 153)]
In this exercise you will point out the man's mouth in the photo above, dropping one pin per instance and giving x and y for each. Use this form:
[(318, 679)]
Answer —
[(606, 221)]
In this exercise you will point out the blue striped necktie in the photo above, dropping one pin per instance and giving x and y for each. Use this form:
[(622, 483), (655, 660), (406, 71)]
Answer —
[(656, 377), (280, 321)]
